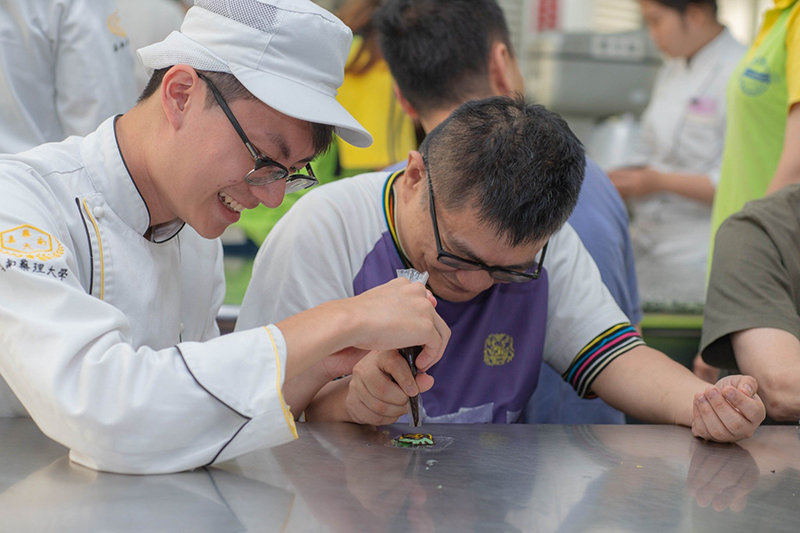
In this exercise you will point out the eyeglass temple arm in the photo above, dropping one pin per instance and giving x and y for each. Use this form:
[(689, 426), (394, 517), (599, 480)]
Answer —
[(541, 257), (229, 114)]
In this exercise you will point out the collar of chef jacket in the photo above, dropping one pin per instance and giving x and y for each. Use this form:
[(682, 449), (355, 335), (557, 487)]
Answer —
[(106, 167)]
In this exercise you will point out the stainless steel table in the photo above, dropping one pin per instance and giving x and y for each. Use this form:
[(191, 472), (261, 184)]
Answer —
[(341, 477)]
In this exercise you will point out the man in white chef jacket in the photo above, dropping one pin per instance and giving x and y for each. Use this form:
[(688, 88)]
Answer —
[(111, 274), (65, 66)]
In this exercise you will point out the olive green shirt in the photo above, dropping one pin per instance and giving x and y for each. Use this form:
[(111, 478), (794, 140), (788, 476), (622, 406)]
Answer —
[(755, 277)]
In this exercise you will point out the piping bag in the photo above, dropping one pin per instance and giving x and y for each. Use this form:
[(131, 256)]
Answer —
[(410, 353)]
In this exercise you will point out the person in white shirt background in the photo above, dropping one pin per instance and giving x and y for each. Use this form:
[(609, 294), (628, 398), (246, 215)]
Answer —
[(669, 186), (111, 271), (147, 22), (65, 66)]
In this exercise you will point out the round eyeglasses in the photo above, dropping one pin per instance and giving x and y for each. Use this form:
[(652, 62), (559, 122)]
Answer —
[(265, 169)]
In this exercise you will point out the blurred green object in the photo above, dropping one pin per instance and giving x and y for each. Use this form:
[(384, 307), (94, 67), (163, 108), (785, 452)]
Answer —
[(672, 321), (675, 334), (257, 223), (238, 270)]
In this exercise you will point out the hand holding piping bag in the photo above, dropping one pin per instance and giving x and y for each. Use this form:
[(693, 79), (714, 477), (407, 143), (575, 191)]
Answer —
[(410, 353)]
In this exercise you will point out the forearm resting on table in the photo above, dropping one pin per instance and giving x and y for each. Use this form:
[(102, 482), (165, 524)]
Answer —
[(695, 186), (772, 356), (650, 386), (329, 405), (299, 392)]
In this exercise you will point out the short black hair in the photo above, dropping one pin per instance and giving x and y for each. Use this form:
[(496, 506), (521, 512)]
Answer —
[(517, 163), (231, 90), (682, 5), (438, 51)]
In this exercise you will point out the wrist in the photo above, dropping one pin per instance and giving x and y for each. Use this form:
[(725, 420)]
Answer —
[(347, 322), (318, 375), (658, 181), (330, 403), (685, 416)]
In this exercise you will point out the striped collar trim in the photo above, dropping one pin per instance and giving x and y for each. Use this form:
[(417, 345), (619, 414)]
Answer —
[(388, 213)]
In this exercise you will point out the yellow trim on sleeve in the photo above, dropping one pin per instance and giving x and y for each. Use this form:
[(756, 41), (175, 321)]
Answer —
[(288, 515), (286, 412), (100, 245)]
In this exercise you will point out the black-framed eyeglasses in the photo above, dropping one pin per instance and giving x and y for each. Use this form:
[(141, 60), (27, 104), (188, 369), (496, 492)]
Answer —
[(265, 170), (451, 260)]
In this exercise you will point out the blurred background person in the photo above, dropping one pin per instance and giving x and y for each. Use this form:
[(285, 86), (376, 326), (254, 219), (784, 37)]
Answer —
[(148, 22), (680, 147), (368, 91), (762, 111), (65, 66)]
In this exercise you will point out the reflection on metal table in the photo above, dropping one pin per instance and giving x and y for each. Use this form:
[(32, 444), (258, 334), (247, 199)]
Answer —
[(343, 477)]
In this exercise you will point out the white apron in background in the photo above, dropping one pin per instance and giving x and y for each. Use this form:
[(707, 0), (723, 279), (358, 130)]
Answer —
[(105, 335), (65, 67), (683, 130), (148, 22)]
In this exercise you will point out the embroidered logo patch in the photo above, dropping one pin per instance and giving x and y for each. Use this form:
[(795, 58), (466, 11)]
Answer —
[(498, 349), (30, 243), (756, 78), (115, 26)]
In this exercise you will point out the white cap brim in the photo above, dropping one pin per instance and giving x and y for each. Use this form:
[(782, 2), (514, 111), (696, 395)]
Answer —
[(302, 102)]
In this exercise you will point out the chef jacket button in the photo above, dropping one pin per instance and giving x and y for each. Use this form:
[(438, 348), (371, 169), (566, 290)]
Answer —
[(98, 212)]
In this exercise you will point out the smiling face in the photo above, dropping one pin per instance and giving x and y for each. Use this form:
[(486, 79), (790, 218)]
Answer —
[(214, 201), (202, 182), (461, 233)]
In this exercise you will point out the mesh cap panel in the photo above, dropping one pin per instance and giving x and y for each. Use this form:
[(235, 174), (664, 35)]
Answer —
[(249, 12), (189, 53)]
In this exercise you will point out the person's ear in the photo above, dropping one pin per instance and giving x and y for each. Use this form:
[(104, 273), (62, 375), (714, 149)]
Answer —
[(180, 89), (500, 69), (404, 103), (414, 177)]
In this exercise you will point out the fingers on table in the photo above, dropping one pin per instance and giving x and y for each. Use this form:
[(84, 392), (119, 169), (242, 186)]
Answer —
[(363, 413), (711, 410), (752, 408), (746, 384), (725, 416)]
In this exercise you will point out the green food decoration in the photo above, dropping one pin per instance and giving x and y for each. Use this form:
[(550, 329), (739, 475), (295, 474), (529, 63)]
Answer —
[(413, 440)]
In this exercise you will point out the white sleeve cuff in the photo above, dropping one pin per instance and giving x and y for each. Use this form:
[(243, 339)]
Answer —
[(245, 371)]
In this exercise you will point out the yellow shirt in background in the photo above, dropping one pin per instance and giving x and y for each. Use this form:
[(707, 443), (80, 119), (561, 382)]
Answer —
[(370, 99), (760, 92)]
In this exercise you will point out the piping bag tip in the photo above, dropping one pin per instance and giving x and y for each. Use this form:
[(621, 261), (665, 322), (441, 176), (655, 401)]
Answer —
[(410, 353)]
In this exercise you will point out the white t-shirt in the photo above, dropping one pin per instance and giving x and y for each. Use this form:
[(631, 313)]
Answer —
[(65, 66), (336, 242), (683, 130)]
